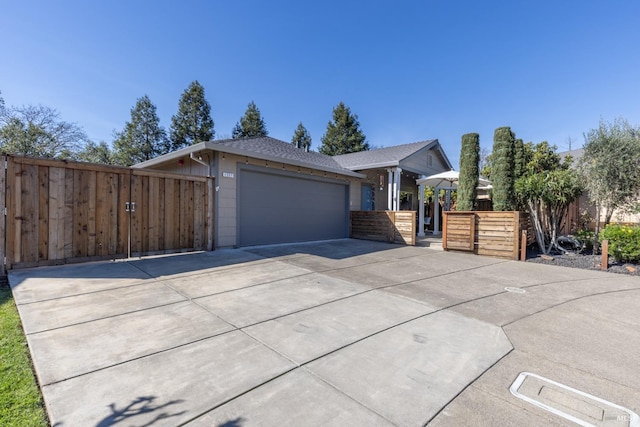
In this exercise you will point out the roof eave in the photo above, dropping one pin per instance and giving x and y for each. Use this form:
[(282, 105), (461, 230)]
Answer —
[(434, 143), (270, 158), (375, 165), (171, 156), (209, 145)]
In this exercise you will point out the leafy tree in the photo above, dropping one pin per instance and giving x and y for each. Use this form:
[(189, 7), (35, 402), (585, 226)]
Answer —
[(548, 195), (484, 165), (142, 138), (301, 138), (502, 169), (547, 188), (251, 124), (96, 153), (193, 122), (343, 134), (610, 168), (36, 130), (469, 159), (543, 157)]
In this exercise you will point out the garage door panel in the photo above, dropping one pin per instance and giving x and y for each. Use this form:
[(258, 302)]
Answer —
[(282, 208)]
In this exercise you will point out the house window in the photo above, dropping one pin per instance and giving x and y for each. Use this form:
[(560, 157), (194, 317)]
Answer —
[(429, 160)]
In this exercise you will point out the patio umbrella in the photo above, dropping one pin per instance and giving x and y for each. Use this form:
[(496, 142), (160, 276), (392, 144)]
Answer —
[(448, 179)]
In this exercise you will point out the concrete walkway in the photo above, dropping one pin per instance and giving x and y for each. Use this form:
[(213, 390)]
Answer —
[(335, 333)]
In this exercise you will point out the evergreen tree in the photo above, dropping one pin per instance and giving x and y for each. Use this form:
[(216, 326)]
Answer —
[(142, 138), (193, 122), (343, 133), (301, 138), (468, 182), (251, 124), (502, 169), (519, 161)]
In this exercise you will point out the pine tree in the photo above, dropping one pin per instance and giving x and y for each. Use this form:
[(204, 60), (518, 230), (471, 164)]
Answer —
[(343, 133), (301, 138), (251, 124), (193, 122), (142, 138), (468, 183), (502, 173)]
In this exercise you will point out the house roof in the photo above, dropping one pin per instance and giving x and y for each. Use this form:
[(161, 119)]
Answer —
[(264, 148), (387, 156), (575, 155)]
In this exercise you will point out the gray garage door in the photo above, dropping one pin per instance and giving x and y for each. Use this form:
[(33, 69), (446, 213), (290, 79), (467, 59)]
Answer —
[(285, 207)]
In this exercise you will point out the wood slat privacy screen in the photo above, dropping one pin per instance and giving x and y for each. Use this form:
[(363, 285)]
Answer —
[(384, 226), (488, 233), (63, 212)]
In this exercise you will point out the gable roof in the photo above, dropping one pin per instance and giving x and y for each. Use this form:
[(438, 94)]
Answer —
[(575, 155), (387, 156), (264, 148)]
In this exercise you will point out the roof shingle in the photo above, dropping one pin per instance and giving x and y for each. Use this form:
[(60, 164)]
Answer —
[(387, 156)]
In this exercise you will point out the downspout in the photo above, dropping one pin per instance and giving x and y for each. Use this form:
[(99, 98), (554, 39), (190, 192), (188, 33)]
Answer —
[(197, 160)]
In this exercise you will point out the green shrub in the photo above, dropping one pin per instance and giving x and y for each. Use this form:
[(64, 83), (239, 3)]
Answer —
[(624, 242), (502, 169), (468, 182)]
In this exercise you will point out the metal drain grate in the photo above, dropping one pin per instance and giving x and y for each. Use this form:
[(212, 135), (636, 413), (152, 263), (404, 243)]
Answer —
[(575, 405)]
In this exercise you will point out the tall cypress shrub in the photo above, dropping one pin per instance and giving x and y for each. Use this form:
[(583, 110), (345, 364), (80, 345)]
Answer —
[(503, 169), (468, 182), (519, 170), (520, 162)]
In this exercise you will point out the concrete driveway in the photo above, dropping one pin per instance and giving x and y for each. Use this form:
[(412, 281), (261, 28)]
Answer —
[(335, 333)]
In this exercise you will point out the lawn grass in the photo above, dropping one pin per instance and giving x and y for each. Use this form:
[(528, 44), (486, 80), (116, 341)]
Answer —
[(20, 399)]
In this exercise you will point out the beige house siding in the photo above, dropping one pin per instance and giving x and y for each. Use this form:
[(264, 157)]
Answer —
[(226, 217), (226, 199)]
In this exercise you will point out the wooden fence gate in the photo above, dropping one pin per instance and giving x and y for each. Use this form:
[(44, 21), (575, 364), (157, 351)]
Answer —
[(59, 212)]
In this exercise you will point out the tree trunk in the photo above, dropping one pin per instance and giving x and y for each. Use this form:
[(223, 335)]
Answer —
[(537, 227), (607, 216), (596, 238)]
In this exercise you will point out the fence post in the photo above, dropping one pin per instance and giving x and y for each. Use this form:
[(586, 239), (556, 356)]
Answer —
[(604, 264), (515, 226), (523, 245), (3, 220), (444, 230)]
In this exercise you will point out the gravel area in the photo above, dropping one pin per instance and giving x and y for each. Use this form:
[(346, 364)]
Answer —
[(586, 261)]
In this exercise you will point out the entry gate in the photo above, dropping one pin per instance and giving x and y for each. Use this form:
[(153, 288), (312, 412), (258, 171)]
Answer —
[(59, 212)]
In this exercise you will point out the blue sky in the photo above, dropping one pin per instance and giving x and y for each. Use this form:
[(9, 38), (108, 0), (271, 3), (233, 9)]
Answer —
[(411, 70)]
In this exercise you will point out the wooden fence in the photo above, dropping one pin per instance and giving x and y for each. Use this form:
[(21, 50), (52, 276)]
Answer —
[(61, 212), (491, 233), (384, 226)]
